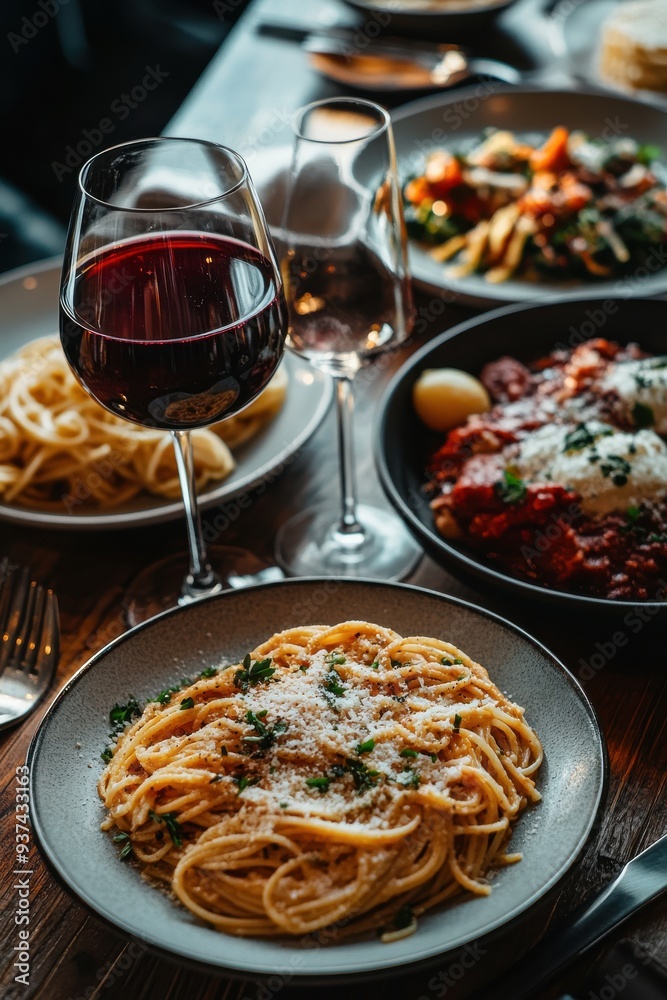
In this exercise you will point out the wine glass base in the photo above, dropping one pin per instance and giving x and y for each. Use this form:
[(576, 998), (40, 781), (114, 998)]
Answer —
[(158, 587), (312, 544)]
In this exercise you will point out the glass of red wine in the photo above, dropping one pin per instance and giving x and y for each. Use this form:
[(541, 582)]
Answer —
[(345, 272), (172, 313)]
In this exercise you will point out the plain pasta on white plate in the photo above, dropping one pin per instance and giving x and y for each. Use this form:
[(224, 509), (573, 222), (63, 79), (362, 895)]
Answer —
[(57, 443)]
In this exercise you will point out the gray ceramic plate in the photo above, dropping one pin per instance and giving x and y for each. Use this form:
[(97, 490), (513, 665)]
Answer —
[(451, 120), (426, 20), (458, 117), (65, 764), (29, 309)]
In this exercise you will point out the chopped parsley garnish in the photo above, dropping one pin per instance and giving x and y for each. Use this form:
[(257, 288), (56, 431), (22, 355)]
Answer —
[(218, 777), (283, 805), (264, 737), (647, 152), (334, 659), (643, 415), (106, 754), (209, 672), (578, 439), (411, 779), (170, 820), (164, 697), (244, 782), (120, 715), (461, 677), (616, 468), (321, 784), (457, 723), (365, 747), (362, 776), (407, 752), (511, 489), (375, 665), (657, 538), (252, 673), (126, 850), (187, 703), (333, 686), (446, 662)]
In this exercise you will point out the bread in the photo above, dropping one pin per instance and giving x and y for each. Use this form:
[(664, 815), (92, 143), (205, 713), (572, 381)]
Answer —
[(633, 51)]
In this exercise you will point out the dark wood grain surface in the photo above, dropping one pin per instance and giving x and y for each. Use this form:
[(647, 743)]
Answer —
[(248, 92)]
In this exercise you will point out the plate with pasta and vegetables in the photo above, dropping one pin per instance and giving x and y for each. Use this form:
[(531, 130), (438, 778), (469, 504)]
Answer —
[(66, 462), (322, 779), (511, 195)]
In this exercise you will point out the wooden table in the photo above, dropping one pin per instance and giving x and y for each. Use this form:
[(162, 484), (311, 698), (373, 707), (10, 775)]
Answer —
[(246, 94)]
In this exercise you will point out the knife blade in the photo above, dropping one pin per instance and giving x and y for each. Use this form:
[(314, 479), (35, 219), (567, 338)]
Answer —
[(639, 882), (346, 35)]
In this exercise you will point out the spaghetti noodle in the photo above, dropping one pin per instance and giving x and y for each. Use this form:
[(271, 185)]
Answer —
[(58, 446), (337, 776)]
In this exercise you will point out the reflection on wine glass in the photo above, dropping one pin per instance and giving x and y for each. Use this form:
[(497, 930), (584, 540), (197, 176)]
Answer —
[(172, 309), (345, 272)]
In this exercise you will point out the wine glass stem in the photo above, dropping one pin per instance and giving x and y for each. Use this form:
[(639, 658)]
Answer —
[(201, 580), (349, 524)]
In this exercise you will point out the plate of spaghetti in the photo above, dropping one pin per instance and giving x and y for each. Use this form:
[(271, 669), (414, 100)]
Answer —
[(554, 483), (66, 462), (323, 780)]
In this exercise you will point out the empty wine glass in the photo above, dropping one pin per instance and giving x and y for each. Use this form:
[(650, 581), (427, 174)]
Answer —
[(172, 309), (345, 273)]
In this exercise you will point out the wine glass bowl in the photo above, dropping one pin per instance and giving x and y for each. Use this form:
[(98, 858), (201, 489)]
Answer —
[(345, 265), (172, 309), (347, 285)]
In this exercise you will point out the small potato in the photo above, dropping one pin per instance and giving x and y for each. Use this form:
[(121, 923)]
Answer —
[(444, 397)]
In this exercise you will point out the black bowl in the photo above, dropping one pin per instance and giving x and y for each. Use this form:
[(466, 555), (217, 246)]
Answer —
[(430, 23), (403, 445)]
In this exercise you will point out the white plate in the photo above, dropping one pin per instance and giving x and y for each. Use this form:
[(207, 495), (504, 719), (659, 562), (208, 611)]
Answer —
[(29, 309)]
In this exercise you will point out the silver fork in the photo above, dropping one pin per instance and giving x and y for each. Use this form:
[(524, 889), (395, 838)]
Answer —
[(29, 645)]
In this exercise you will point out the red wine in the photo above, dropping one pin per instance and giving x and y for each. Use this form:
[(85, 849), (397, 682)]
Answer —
[(174, 330)]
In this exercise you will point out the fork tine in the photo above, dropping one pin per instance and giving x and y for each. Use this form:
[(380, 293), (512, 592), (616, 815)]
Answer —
[(19, 600), (48, 647), (30, 649), (6, 591)]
